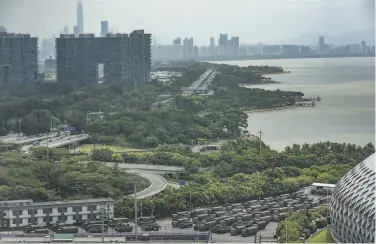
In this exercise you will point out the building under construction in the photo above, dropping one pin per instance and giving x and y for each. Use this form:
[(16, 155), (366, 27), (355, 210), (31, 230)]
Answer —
[(18, 58), (116, 57)]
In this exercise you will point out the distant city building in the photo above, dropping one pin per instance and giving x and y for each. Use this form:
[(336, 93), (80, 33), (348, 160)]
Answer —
[(233, 46), (364, 47), (305, 49), (373, 49), (321, 43), (65, 30), (290, 49), (18, 58), (177, 41), (121, 57), (2, 29), (47, 48), (80, 17), (271, 50), (188, 48), (76, 31), (50, 64), (19, 213), (223, 40), (104, 28), (212, 41)]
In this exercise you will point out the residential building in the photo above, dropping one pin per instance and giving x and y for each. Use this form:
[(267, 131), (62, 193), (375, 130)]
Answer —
[(290, 49), (104, 28), (18, 58), (122, 57), (19, 213), (80, 17)]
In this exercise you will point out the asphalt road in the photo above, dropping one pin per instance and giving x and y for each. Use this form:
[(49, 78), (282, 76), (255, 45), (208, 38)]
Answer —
[(158, 184), (148, 167)]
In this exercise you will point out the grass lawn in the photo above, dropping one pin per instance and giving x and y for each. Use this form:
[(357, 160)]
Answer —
[(89, 147), (323, 237)]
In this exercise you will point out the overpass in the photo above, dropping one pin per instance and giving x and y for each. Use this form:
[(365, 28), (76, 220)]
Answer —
[(27, 139), (67, 140)]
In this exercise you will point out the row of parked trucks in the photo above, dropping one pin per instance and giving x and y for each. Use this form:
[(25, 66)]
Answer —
[(245, 218)]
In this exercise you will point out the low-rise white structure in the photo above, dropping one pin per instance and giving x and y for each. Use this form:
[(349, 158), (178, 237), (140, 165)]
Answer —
[(23, 212)]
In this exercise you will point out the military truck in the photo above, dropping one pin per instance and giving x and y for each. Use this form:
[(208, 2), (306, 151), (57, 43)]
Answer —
[(146, 219), (96, 228), (216, 209), (186, 223), (230, 221), (249, 231), (237, 230), (221, 228), (180, 215), (123, 227), (204, 225), (150, 226), (198, 211), (115, 221)]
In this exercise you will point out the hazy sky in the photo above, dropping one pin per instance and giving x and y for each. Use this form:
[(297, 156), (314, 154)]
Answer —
[(253, 20)]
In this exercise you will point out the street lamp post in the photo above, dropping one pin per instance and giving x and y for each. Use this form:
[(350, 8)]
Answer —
[(135, 211), (260, 141)]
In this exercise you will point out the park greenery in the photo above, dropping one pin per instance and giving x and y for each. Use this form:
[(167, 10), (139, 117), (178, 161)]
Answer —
[(299, 226), (131, 117), (62, 177), (240, 173)]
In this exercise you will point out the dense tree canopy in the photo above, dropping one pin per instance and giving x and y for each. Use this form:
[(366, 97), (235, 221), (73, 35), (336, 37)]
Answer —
[(62, 177)]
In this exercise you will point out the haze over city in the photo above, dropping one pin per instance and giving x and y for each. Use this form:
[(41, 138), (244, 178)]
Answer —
[(270, 21)]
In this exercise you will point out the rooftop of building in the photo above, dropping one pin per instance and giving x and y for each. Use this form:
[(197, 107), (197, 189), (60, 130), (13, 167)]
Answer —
[(14, 35), (370, 162), (31, 203)]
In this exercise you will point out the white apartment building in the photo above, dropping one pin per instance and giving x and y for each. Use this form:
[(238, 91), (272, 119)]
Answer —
[(19, 213)]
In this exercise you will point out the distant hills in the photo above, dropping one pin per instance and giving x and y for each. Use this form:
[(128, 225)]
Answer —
[(354, 37)]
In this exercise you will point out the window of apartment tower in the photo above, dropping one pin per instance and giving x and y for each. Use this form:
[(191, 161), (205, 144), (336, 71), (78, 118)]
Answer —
[(62, 210)]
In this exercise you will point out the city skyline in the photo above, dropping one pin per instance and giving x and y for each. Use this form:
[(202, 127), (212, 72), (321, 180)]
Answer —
[(166, 19)]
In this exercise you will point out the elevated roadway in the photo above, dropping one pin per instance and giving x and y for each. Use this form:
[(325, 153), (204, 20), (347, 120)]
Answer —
[(60, 142), (150, 167), (27, 139)]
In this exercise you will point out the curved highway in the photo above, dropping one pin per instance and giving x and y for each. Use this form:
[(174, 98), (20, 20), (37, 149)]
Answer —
[(158, 184)]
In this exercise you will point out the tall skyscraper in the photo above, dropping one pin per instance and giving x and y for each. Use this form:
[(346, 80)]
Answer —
[(121, 57), (104, 28), (80, 17), (19, 58)]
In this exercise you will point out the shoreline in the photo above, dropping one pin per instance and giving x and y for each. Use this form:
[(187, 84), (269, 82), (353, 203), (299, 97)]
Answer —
[(261, 110), (257, 84)]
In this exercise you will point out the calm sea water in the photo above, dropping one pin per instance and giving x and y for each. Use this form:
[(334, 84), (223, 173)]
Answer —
[(345, 114)]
